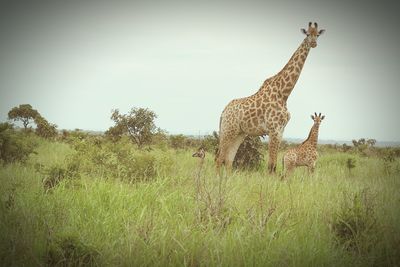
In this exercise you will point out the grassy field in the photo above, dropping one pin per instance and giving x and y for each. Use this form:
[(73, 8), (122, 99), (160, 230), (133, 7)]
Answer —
[(186, 216)]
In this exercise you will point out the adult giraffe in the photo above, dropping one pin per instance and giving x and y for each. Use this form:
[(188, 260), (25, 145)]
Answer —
[(265, 112)]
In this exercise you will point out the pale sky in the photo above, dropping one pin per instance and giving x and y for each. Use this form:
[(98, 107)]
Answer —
[(185, 60)]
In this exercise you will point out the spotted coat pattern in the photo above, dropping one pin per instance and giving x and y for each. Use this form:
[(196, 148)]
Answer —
[(265, 112), (305, 154)]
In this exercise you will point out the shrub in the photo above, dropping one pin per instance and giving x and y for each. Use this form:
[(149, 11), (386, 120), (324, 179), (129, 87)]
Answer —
[(14, 146), (160, 140), (389, 157), (354, 220), (44, 128), (365, 147), (120, 160), (350, 164), (72, 137), (249, 154), (70, 251), (345, 148), (56, 173), (143, 167), (210, 142), (177, 141)]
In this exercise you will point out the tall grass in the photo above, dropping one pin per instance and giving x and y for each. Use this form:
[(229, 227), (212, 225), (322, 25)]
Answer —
[(263, 221)]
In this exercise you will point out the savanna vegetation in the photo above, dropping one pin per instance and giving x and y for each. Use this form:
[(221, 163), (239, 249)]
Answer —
[(76, 199)]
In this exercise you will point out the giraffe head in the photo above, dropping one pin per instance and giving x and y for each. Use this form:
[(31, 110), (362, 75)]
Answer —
[(312, 34), (200, 153), (317, 118)]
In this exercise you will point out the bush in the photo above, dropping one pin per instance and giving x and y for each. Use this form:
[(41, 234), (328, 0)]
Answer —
[(350, 164), (177, 141), (70, 251), (56, 173), (354, 220), (14, 146), (143, 167), (210, 142), (249, 154), (120, 160), (160, 140), (366, 147), (44, 128), (72, 137)]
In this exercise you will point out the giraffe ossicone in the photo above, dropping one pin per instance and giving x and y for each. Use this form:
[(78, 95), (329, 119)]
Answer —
[(265, 112)]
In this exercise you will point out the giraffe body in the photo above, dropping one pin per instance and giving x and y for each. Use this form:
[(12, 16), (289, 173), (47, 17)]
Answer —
[(265, 112), (305, 154)]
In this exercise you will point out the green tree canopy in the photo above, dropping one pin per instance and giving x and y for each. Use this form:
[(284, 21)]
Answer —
[(138, 124), (24, 113)]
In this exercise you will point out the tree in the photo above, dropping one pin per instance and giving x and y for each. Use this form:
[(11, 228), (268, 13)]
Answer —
[(371, 142), (365, 147), (115, 132), (24, 113), (44, 128), (138, 124)]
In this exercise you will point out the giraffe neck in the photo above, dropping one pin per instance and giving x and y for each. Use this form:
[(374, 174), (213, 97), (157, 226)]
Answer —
[(286, 79), (312, 138)]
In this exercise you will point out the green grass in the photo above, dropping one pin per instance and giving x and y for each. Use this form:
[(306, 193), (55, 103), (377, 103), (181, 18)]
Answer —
[(93, 220)]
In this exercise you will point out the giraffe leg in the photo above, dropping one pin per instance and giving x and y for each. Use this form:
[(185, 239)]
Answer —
[(274, 141), (223, 149), (232, 150), (227, 149), (288, 164), (220, 159), (311, 168), (288, 171)]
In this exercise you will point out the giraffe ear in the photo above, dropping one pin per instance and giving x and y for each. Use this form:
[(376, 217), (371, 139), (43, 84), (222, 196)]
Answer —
[(303, 31), (323, 117), (321, 32), (312, 117)]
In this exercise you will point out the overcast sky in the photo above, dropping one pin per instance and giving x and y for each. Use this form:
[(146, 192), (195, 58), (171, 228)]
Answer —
[(75, 62)]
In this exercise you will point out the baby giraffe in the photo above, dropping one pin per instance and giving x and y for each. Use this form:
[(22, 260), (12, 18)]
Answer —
[(201, 154), (306, 153)]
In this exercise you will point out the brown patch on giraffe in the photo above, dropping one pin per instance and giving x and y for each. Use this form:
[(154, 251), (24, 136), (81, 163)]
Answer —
[(306, 153), (264, 112)]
